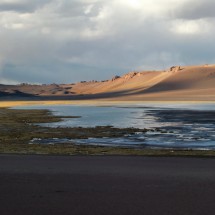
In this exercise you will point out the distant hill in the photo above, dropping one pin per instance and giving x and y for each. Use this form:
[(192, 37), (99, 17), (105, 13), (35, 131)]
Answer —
[(179, 83)]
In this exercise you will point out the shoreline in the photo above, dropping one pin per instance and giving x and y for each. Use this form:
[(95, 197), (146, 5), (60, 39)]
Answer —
[(77, 150), (10, 143), (93, 102)]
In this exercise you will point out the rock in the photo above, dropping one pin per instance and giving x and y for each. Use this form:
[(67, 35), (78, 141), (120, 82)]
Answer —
[(175, 68), (130, 75), (115, 78)]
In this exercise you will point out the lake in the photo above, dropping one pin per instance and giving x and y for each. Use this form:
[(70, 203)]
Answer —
[(184, 126)]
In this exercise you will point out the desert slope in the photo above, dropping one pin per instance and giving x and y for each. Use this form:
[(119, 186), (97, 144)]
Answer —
[(177, 83), (193, 83)]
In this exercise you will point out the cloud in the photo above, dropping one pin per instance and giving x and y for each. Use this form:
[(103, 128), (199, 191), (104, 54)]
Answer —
[(22, 5), (192, 27), (71, 40), (192, 9)]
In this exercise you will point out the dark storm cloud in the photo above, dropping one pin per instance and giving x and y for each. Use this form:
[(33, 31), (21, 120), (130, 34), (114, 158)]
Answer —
[(72, 40), (22, 6), (196, 9)]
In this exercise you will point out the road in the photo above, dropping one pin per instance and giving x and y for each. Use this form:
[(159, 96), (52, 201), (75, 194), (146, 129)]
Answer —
[(106, 185)]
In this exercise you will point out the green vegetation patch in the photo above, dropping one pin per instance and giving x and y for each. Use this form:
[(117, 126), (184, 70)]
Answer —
[(17, 129), (20, 127)]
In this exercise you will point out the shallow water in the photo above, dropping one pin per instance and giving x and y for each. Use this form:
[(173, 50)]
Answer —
[(183, 125)]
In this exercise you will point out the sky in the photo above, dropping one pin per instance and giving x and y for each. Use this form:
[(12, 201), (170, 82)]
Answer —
[(66, 41)]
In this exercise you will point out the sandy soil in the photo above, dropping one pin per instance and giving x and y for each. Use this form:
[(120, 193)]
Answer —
[(193, 83), (94, 102)]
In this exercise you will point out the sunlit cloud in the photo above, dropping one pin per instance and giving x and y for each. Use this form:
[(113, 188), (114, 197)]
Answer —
[(191, 26)]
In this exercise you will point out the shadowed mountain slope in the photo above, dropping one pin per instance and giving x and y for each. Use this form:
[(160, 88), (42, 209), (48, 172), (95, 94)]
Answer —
[(177, 83)]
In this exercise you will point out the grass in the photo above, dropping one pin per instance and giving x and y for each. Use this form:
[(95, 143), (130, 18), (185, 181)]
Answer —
[(66, 149), (17, 129)]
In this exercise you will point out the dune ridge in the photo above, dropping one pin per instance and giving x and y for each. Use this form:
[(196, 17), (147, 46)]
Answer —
[(175, 84)]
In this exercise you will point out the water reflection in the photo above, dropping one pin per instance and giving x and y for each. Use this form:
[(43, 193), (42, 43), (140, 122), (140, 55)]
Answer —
[(183, 126)]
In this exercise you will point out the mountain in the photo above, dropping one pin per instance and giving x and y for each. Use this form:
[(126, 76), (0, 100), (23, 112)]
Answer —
[(179, 83)]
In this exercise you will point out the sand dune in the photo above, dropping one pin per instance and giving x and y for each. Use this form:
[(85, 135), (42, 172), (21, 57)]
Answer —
[(194, 83), (177, 83)]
